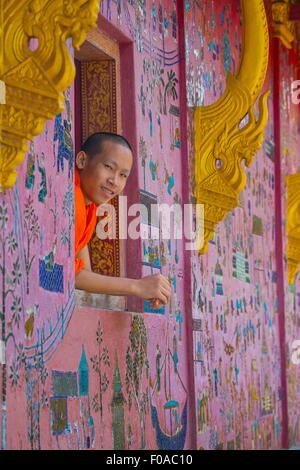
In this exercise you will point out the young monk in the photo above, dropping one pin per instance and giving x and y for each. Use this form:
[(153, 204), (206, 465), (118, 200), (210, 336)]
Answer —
[(102, 169)]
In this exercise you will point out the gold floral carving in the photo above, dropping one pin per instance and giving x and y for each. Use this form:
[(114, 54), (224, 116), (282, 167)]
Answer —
[(282, 27), (98, 96), (36, 68), (98, 100), (221, 142), (2, 92), (293, 226)]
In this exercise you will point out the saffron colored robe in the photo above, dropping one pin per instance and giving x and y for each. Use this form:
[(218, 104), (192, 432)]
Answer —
[(85, 222)]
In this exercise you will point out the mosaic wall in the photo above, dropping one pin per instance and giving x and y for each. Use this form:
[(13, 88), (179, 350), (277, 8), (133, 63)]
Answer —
[(37, 219), (290, 164), (75, 388), (236, 349)]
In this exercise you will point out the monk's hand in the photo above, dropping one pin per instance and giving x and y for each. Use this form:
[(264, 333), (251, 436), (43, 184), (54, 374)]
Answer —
[(155, 288)]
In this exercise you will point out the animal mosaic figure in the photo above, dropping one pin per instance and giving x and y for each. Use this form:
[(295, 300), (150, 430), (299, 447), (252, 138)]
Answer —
[(176, 141), (49, 259), (174, 21), (162, 254), (29, 324), (62, 134), (160, 130)]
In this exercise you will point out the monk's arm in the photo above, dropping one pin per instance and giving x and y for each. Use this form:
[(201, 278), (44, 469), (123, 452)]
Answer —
[(149, 287), (99, 284)]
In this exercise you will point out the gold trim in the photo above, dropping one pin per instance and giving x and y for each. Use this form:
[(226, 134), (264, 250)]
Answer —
[(282, 27), (2, 92), (220, 144), (35, 77), (293, 226), (110, 47)]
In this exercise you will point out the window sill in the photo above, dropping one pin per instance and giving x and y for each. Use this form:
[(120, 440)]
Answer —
[(101, 301)]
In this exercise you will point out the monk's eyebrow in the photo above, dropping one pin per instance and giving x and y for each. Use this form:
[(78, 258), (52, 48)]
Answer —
[(107, 160)]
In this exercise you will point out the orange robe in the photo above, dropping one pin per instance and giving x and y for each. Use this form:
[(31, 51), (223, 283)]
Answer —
[(85, 222)]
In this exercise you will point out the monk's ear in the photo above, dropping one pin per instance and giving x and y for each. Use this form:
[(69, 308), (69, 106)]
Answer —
[(81, 160)]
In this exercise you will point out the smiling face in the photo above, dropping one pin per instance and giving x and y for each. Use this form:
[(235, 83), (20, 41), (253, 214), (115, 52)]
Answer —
[(104, 175)]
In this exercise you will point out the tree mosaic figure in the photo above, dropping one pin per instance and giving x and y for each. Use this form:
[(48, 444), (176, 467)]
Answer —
[(137, 368), (99, 362), (175, 354), (170, 88), (32, 232), (158, 368), (117, 407), (9, 283)]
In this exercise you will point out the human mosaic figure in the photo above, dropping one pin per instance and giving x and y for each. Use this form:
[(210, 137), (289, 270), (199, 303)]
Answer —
[(30, 174), (62, 134), (102, 168), (43, 183)]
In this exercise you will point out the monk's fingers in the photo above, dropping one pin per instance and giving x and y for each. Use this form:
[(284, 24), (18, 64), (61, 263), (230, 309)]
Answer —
[(166, 284)]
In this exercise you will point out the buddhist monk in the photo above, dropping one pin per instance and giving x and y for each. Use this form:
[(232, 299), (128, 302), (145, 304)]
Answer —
[(102, 168)]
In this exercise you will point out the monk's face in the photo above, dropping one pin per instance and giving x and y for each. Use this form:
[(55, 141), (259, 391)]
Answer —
[(104, 175)]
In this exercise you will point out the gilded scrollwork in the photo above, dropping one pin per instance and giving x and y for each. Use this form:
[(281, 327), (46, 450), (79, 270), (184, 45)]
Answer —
[(221, 144), (293, 226), (36, 68), (282, 27)]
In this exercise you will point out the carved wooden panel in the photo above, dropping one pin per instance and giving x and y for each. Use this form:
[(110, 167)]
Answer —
[(98, 98)]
